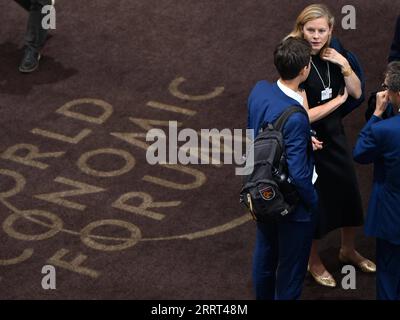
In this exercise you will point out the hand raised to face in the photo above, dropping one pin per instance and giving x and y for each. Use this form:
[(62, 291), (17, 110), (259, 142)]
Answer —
[(331, 55), (382, 99)]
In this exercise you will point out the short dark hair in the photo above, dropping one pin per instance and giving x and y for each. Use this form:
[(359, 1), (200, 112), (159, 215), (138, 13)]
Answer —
[(291, 56), (393, 76)]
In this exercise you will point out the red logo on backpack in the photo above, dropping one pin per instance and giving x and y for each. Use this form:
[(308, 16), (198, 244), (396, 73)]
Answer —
[(267, 193)]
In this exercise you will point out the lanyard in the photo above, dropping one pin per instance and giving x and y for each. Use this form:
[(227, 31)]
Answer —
[(319, 75)]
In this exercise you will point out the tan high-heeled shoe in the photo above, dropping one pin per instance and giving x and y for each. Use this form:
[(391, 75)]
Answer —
[(327, 281), (364, 265)]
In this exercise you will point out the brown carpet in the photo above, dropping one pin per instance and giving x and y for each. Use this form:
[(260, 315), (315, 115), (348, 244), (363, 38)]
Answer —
[(185, 237)]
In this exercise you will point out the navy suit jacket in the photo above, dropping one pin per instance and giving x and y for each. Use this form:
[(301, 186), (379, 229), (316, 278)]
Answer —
[(266, 103), (379, 143)]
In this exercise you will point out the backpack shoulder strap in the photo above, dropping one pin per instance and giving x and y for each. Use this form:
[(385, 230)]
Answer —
[(280, 122)]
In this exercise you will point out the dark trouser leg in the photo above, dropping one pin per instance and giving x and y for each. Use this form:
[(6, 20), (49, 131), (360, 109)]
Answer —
[(387, 270), (265, 261), (35, 34), (280, 259), (35, 37), (295, 240), (26, 4)]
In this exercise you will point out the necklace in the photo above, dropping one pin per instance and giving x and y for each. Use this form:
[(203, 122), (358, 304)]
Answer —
[(319, 75)]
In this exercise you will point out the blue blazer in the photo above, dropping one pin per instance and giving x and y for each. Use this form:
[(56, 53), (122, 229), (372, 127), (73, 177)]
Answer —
[(379, 142), (265, 104)]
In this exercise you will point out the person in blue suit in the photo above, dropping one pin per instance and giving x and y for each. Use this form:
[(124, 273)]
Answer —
[(282, 247), (378, 143)]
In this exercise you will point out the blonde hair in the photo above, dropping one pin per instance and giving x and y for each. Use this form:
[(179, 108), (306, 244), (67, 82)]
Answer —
[(310, 13)]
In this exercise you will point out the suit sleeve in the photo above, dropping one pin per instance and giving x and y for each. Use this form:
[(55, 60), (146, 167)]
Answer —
[(252, 117), (367, 148), (297, 143)]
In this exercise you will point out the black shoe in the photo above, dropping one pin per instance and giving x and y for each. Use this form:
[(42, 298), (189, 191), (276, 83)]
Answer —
[(30, 61)]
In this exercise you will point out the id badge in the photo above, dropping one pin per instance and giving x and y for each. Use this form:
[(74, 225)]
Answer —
[(326, 94)]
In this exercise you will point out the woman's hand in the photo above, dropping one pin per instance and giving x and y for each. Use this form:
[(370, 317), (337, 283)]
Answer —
[(353, 83), (331, 55), (316, 144), (342, 98)]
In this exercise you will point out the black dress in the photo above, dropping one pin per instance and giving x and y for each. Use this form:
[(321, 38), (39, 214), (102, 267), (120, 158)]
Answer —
[(339, 196)]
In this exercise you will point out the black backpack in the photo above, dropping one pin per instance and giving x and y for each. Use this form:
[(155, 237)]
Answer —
[(267, 191)]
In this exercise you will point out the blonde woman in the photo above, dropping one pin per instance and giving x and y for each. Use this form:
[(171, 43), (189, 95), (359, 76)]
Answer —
[(332, 90)]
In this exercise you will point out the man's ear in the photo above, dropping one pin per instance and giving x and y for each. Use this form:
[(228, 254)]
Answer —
[(304, 70)]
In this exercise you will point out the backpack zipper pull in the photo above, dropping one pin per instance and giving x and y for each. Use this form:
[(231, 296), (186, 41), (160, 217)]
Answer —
[(251, 206)]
